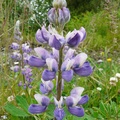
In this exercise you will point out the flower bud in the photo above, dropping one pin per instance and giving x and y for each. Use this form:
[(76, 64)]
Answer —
[(59, 3)]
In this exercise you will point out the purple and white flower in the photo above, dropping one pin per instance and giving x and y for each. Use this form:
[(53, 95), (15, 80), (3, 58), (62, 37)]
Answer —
[(74, 100), (43, 102), (46, 86), (42, 36), (50, 73)]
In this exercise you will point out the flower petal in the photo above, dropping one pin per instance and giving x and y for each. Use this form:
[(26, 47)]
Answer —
[(80, 59), (84, 99), (82, 29), (48, 75), (39, 37), (67, 75), (36, 62), (84, 70), (54, 42), (69, 101), (52, 64), (69, 54), (77, 111), (43, 89), (45, 101), (77, 90), (36, 108), (59, 113), (73, 41), (45, 34), (42, 53)]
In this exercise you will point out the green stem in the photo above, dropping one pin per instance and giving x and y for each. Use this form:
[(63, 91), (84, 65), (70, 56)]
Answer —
[(59, 81)]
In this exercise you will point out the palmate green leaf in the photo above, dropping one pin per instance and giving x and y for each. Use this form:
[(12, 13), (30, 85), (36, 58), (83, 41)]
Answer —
[(22, 102), (13, 110)]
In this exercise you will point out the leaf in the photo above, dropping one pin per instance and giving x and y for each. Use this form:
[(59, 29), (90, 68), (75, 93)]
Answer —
[(13, 110), (50, 109), (22, 103)]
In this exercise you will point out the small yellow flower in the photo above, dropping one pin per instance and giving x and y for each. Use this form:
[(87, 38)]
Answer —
[(109, 60)]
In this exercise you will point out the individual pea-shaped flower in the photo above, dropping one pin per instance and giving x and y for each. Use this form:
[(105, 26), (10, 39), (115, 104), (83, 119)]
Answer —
[(67, 72), (75, 37), (26, 48), (46, 86), (55, 53), (39, 61), (59, 111), (74, 100), (63, 16), (50, 73), (15, 68), (42, 35), (16, 55), (81, 67), (43, 102), (69, 54), (52, 15), (56, 41), (15, 46)]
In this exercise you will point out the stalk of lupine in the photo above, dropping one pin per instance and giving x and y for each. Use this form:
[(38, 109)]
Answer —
[(17, 33), (59, 111), (75, 100), (50, 73), (27, 72), (43, 102)]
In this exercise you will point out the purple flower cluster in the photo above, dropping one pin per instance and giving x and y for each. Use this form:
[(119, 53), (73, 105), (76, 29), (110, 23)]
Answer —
[(20, 56), (61, 61)]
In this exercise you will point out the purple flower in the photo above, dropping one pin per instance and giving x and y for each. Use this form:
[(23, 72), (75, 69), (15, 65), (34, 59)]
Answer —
[(59, 113), (36, 62), (84, 70), (42, 53), (75, 37), (26, 48), (52, 15), (50, 73), (80, 66), (16, 56), (74, 100), (66, 14), (41, 61), (69, 54), (15, 68), (56, 41), (43, 102), (15, 46), (67, 72), (42, 35), (77, 111), (46, 86)]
